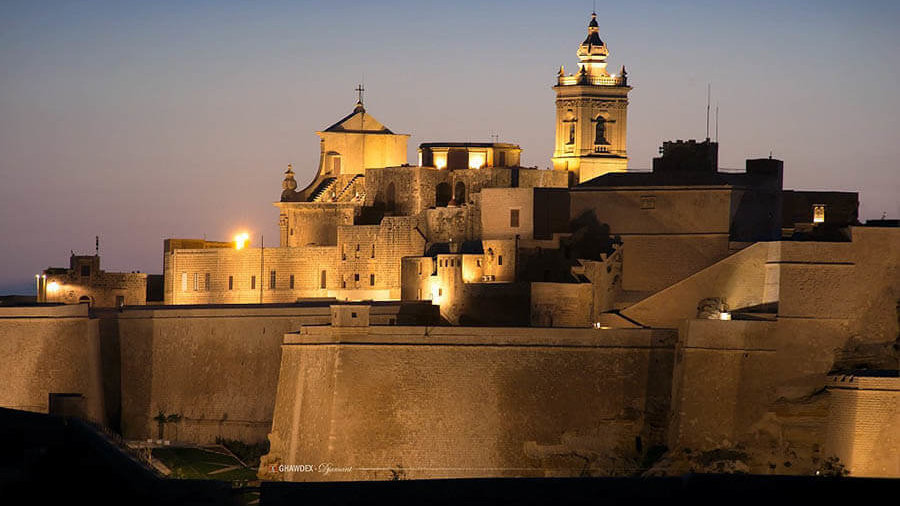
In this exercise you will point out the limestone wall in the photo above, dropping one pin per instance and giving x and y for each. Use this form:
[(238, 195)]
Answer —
[(315, 224), (497, 205), (739, 279), (466, 402), (864, 424), (213, 369), (561, 304), (49, 349)]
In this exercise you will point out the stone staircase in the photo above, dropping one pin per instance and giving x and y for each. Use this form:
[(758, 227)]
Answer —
[(324, 187)]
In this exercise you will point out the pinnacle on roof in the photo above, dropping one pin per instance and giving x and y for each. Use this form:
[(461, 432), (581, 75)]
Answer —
[(593, 38)]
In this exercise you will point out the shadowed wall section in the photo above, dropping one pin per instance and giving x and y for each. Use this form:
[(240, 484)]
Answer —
[(460, 402)]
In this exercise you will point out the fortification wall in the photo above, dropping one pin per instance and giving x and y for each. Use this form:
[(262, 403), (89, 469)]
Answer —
[(864, 424), (214, 369), (653, 262), (467, 402), (739, 279), (668, 234), (50, 349), (561, 304)]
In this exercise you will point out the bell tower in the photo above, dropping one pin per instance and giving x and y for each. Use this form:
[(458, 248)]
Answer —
[(591, 113)]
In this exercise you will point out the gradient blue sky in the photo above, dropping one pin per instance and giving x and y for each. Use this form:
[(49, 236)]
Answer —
[(138, 121)]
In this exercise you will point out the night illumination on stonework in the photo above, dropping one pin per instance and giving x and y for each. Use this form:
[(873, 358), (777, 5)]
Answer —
[(486, 311)]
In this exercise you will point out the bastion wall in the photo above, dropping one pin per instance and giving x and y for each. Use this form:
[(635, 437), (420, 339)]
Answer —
[(447, 402)]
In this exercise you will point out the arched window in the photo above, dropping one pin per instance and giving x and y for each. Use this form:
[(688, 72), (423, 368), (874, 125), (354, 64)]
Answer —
[(459, 192), (600, 131)]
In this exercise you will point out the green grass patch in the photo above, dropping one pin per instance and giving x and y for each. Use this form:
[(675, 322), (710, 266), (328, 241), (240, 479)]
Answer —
[(200, 464)]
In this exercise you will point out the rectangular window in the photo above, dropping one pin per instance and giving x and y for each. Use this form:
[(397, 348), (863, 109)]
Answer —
[(85, 270), (253, 282), (231, 282), (271, 280), (183, 281), (323, 280), (648, 202), (514, 218), (196, 281), (499, 259), (291, 282), (120, 300), (478, 262), (819, 213), (373, 251), (371, 280), (356, 277), (206, 282)]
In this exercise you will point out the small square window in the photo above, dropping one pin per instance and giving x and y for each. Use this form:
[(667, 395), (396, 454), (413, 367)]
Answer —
[(819, 213), (352, 315)]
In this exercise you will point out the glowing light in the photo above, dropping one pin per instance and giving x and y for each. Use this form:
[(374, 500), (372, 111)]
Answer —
[(818, 213), (440, 160), (476, 160), (724, 316), (240, 240), (52, 287)]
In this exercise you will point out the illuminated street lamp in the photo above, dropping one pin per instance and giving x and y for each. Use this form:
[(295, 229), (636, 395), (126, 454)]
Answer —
[(241, 240)]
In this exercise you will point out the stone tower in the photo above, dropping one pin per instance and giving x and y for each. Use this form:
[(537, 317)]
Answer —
[(591, 114)]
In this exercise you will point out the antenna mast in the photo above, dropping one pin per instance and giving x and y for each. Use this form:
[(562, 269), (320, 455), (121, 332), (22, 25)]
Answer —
[(717, 122), (708, 88)]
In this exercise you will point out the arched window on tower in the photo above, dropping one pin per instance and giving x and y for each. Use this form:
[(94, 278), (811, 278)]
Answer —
[(600, 131), (570, 119)]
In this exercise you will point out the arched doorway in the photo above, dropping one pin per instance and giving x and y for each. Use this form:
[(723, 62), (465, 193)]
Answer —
[(459, 192), (442, 195), (85, 299)]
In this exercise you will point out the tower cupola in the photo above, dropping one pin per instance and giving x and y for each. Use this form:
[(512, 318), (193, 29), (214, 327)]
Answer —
[(592, 52)]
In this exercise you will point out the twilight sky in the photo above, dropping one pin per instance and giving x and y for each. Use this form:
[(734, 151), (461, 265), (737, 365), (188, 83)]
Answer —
[(138, 121)]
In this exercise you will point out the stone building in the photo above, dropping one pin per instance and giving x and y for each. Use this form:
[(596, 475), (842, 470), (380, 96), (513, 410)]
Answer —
[(84, 282), (567, 322), (344, 236)]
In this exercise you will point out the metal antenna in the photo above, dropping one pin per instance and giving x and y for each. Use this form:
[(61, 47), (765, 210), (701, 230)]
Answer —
[(708, 88), (717, 122)]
